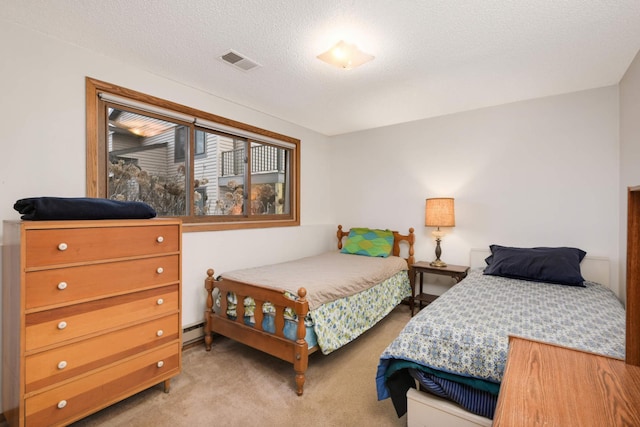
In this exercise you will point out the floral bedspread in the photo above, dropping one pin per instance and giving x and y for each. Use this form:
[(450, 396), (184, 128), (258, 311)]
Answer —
[(466, 330), (341, 321)]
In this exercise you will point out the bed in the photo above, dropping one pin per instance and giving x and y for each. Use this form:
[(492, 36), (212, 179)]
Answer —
[(454, 351), (292, 309)]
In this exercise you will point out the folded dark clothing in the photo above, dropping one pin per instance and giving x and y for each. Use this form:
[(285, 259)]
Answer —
[(59, 208)]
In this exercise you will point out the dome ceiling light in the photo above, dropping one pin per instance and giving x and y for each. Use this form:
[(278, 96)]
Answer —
[(345, 55)]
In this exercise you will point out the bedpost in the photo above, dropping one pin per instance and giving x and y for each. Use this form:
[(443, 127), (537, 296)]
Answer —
[(412, 239), (339, 234), (301, 359), (208, 285), (410, 261)]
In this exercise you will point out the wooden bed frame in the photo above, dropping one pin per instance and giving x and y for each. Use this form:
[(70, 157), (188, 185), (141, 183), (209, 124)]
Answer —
[(427, 410), (276, 344)]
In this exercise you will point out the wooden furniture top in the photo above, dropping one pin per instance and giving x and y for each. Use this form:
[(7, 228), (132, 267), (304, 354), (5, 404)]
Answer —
[(86, 223), (549, 385), (449, 269)]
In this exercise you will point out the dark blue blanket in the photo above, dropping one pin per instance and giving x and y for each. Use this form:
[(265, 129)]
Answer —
[(60, 208)]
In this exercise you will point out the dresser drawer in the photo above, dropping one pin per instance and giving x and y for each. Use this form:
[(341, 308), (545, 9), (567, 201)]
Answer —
[(63, 285), (59, 325), (74, 245), (78, 398), (52, 366)]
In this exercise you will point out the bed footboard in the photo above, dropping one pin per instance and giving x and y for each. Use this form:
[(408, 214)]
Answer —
[(253, 334)]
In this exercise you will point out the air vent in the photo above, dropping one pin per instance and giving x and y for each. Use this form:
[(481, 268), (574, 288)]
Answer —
[(239, 61)]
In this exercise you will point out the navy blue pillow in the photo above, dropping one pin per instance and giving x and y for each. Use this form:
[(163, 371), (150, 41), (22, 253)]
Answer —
[(73, 208), (550, 265)]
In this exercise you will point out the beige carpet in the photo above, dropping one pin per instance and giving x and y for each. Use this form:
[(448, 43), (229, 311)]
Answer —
[(234, 385)]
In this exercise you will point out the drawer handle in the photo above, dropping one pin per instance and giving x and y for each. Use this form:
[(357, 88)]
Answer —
[(160, 332), (62, 404), (160, 239), (160, 364), (62, 325), (62, 286), (62, 246), (62, 364), (159, 270), (160, 301)]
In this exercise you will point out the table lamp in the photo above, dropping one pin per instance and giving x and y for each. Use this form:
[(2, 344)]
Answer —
[(439, 212)]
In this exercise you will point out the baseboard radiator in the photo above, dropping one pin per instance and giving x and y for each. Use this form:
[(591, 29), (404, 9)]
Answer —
[(192, 334)]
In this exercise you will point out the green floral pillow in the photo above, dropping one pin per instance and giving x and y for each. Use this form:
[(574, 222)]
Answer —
[(368, 242)]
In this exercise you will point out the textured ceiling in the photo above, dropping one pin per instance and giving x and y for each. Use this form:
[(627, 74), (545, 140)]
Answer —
[(433, 57)]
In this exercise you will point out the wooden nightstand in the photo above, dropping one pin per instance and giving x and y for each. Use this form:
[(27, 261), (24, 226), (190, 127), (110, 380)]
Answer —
[(456, 272)]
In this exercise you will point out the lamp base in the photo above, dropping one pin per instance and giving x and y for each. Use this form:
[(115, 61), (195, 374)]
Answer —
[(438, 262)]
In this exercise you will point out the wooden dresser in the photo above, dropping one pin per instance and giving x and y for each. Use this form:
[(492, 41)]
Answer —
[(91, 315), (548, 385)]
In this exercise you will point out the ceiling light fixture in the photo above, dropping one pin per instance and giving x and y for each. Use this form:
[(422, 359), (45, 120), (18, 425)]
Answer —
[(345, 55)]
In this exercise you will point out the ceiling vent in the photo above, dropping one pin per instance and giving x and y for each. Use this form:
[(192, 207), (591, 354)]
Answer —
[(239, 61)]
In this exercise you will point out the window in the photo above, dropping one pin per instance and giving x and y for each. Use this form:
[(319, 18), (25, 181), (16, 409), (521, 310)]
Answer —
[(180, 146), (212, 172), (201, 144), (181, 138)]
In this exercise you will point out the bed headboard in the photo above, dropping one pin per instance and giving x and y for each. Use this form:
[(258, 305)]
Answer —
[(593, 268)]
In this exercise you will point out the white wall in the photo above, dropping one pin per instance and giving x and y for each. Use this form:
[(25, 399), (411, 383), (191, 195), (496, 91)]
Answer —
[(629, 147), (42, 147), (537, 173)]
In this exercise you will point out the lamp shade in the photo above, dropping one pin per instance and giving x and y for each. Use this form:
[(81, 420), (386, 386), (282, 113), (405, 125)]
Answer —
[(439, 212)]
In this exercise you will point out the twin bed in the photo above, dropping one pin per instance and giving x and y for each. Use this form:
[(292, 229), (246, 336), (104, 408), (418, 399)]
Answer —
[(292, 309), (455, 349)]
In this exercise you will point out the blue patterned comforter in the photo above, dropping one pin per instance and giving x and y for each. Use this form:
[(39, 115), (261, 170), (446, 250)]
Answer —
[(465, 331)]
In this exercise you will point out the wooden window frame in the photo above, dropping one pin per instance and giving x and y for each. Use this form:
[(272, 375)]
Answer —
[(97, 155)]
